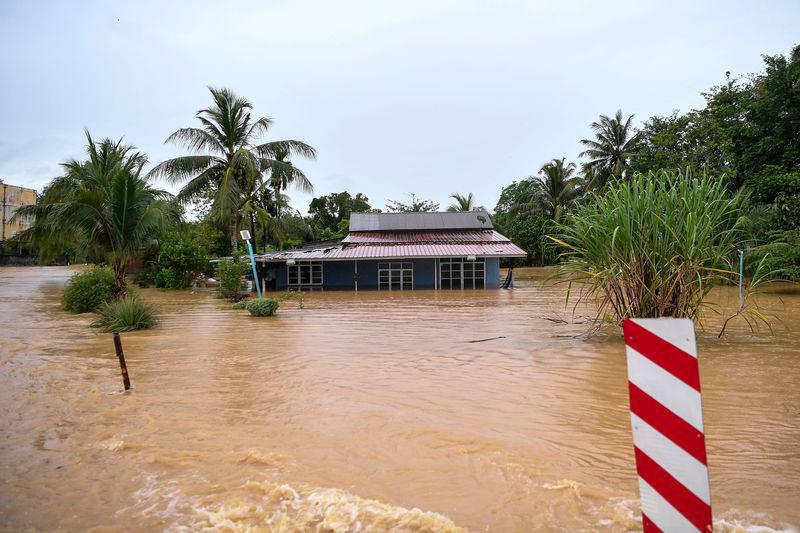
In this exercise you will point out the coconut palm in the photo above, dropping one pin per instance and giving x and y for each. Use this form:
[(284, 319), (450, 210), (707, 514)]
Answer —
[(559, 188), (462, 203), (229, 159), (106, 203), (612, 148)]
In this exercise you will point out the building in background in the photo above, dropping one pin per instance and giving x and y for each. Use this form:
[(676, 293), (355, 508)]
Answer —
[(12, 197), (397, 251)]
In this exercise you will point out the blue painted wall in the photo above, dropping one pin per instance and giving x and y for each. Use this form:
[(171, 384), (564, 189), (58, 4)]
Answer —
[(338, 275), (492, 272)]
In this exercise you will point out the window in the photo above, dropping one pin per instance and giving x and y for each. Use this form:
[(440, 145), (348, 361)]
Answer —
[(305, 274), (459, 273), (395, 276)]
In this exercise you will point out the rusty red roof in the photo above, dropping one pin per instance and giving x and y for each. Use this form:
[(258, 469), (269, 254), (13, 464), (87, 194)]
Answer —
[(442, 237), (347, 251)]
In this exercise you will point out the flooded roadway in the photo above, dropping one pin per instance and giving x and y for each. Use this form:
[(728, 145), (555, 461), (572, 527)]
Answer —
[(366, 412)]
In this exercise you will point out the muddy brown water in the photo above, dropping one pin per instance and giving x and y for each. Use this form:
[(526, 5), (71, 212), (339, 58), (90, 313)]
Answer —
[(368, 412)]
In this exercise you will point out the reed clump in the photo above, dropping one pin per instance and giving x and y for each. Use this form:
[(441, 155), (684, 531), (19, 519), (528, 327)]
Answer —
[(653, 246)]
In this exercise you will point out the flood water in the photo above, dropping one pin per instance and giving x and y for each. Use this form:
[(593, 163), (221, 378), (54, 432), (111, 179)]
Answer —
[(415, 411)]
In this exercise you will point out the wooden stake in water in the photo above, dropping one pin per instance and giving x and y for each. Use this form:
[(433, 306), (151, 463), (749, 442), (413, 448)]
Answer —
[(122, 366)]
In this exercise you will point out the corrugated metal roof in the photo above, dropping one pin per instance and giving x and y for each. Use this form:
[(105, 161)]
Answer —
[(390, 251), (420, 221), (449, 236)]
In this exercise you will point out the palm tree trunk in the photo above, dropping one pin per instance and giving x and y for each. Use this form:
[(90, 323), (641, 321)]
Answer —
[(234, 237), (253, 228), (119, 281)]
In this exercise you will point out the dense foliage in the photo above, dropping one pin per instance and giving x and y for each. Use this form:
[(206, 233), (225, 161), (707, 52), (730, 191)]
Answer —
[(87, 290), (262, 307), (330, 214), (127, 314), (229, 273), (653, 246), (181, 258), (747, 135)]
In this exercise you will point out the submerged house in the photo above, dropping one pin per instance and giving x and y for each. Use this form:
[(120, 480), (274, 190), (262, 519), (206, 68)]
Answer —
[(397, 251)]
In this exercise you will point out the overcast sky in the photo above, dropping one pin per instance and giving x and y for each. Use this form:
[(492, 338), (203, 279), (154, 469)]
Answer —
[(415, 96)]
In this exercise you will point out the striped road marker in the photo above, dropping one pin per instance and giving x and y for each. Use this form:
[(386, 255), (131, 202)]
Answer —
[(667, 421)]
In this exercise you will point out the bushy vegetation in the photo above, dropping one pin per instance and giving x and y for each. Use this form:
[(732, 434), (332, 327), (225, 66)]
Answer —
[(654, 246), (229, 274), (181, 258), (87, 290), (238, 306), (127, 314), (262, 307), (780, 258)]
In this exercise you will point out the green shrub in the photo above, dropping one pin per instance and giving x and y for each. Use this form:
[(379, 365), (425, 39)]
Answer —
[(88, 289), (127, 314), (241, 304), (229, 274), (262, 307), (181, 258), (167, 278), (781, 258)]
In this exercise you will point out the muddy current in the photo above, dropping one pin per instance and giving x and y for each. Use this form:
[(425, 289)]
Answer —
[(369, 411)]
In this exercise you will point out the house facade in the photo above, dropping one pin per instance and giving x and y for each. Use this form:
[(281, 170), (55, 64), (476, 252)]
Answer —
[(396, 251)]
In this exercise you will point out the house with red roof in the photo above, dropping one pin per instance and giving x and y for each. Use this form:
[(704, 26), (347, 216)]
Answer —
[(397, 251)]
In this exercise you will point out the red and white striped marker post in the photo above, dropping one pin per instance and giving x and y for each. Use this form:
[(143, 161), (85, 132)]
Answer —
[(667, 421)]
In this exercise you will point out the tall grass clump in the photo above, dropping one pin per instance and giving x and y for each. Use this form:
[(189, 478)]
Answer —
[(128, 314), (653, 246), (87, 290)]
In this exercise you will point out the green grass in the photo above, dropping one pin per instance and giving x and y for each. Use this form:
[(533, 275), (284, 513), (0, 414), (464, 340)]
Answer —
[(652, 247), (130, 313)]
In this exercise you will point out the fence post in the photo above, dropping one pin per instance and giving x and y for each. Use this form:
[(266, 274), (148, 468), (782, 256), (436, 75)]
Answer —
[(121, 356), (667, 422)]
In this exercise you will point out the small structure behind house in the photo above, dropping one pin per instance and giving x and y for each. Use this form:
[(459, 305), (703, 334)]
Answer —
[(396, 251)]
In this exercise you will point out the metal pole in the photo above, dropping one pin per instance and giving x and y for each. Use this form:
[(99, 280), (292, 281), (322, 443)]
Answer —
[(741, 277), (126, 382), (253, 264)]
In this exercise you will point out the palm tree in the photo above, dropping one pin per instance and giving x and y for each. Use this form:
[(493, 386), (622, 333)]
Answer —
[(462, 203), (559, 188), (229, 160), (611, 149), (106, 203)]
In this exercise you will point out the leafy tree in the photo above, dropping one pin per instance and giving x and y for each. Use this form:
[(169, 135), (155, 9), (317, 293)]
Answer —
[(416, 205), (107, 203), (181, 258), (612, 148), (462, 202), (327, 212), (780, 191), (229, 160), (747, 128), (518, 217)]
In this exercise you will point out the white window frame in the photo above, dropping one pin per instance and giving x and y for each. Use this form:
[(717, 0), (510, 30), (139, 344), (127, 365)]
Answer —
[(461, 261), (405, 266), (310, 265)]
